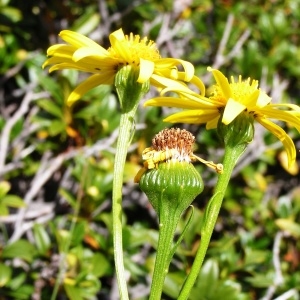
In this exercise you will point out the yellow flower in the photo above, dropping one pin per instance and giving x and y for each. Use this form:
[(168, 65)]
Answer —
[(82, 53), (228, 100)]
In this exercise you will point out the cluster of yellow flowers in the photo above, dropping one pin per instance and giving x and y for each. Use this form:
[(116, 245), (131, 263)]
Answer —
[(228, 99)]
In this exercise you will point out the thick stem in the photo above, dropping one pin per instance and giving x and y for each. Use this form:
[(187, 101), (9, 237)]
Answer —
[(211, 215), (125, 131), (167, 227)]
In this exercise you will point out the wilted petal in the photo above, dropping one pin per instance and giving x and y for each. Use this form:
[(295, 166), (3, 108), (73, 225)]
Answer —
[(282, 136)]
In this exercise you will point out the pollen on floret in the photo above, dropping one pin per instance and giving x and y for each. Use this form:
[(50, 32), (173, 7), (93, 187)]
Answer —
[(242, 89), (134, 48)]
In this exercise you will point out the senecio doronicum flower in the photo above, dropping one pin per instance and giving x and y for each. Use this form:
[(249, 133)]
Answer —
[(82, 53), (172, 144), (228, 100), (168, 172)]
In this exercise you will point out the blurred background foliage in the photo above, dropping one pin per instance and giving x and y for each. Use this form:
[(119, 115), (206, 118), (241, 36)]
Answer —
[(56, 162)]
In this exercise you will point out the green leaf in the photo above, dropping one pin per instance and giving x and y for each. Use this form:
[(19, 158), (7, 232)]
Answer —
[(42, 238), (12, 201), (57, 127), (21, 249), (5, 274), (3, 210), (100, 265), (290, 226), (51, 108), (4, 188), (73, 292)]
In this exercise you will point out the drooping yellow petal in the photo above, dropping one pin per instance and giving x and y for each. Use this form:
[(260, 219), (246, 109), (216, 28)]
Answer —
[(281, 115), (163, 82), (88, 84), (282, 136), (222, 81), (232, 110), (146, 70), (286, 105), (189, 69)]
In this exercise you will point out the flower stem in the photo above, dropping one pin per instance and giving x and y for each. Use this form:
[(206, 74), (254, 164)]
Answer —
[(167, 227), (231, 156), (125, 131)]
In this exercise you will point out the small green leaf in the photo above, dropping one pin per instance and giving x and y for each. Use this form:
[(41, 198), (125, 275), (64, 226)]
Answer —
[(42, 239), (100, 265), (73, 292), (12, 201), (56, 127), (51, 107), (3, 210), (21, 249), (5, 274), (4, 188), (289, 225)]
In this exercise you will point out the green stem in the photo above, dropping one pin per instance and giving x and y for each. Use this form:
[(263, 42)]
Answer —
[(167, 227), (211, 215), (125, 131)]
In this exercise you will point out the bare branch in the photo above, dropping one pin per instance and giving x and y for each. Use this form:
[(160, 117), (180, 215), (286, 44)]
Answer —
[(278, 278), (47, 168), (22, 110)]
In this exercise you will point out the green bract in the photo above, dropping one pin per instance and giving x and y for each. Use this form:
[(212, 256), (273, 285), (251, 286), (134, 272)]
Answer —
[(172, 186)]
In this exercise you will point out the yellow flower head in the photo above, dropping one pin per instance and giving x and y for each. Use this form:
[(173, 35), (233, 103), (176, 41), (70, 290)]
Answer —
[(228, 100), (82, 53)]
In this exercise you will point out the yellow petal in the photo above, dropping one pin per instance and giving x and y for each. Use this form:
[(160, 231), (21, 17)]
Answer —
[(162, 82), (263, 99), (61, 50), (196, 116), (85, 51), (199, 84), (293, 170), (222, 81), (287, 105), (232, 110), (164, 63), (116, 35), (146, 70), (281, 115), (88, 84), (70, 65), (78, 40), (282, 136), (251, 100), (117, 39), (178, 102), (212, 123)]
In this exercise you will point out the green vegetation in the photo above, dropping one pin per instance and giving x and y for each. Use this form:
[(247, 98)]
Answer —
[(56, 161)]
